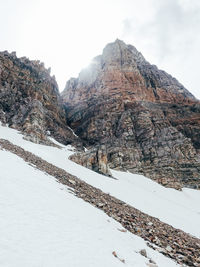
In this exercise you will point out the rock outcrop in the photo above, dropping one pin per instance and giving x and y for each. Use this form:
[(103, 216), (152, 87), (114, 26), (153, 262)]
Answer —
[(30, 100), (94, 159), (148, 122)]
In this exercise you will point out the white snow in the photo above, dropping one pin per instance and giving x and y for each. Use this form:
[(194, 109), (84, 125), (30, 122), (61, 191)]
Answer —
[(179, 209), (43, 225)]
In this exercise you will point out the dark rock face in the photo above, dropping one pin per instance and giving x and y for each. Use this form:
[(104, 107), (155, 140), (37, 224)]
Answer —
[(147, 120), (94, 159), (30, 101)]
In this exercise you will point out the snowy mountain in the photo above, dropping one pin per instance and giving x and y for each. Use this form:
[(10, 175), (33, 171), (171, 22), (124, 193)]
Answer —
[(104, 174)]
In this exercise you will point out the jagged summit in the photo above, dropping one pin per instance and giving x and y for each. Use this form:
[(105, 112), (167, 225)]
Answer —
[(122, 65), (126, 54), (146, 121), (30, 100)]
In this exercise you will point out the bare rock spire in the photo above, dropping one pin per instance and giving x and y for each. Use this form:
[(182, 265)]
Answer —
[(147, 120)]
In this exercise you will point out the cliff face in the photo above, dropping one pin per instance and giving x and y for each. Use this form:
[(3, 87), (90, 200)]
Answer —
[(148, 122), (30, 101), (128, 113)]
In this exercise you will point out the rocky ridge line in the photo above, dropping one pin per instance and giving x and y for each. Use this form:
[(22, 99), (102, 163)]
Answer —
[(174, 243), (30, 100)]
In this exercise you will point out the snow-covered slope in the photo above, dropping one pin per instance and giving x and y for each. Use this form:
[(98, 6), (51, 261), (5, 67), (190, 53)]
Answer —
[(179, 209), (43, 225)]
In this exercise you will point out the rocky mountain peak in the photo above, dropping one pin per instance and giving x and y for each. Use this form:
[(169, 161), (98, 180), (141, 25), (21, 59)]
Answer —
[(123, 71), (136, 117), (30, 100), (126, 56), (129, 114), (116, 55)]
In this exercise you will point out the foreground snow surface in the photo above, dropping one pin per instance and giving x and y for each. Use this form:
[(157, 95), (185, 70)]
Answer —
[(43, 225), (179, 209)]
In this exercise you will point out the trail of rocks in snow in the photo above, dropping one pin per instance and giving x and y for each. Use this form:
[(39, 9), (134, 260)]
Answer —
[(172, 242)]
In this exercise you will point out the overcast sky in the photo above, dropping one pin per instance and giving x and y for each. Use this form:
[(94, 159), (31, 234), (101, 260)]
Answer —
[(66, 35)]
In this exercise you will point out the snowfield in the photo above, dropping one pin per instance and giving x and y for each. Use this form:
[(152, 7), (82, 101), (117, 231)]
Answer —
[(179, 209), (43, 225)]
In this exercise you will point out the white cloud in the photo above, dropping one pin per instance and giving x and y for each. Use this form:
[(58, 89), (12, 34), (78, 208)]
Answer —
[(66, 34), (170, 38)]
